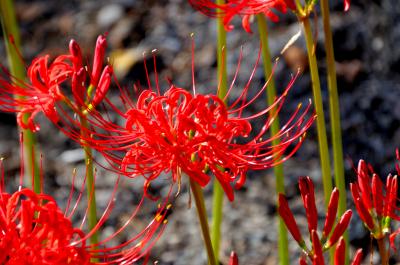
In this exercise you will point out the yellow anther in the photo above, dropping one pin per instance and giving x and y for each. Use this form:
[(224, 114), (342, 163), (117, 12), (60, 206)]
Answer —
[(159, 217)]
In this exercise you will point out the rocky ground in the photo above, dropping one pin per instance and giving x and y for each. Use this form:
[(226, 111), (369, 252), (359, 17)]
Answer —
[(368, 62)]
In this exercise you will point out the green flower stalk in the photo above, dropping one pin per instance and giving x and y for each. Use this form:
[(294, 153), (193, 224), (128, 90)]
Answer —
[(336, 130), (11, 37)]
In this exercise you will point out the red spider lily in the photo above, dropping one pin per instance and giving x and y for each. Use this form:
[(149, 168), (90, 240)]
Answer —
[(375, 205), (243, 8), (179, 132), (34, 230), (44, 90), (328, 239)]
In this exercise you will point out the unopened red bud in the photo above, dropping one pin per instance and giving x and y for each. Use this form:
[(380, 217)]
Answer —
[(104, 85), (308, 195), (361, 209), (76, 53), (391, 196), (340, 252), (318, 258), (100, 50), (312, 215), (340, 228), (363, 182), (288, 218), (303, 260), (233, 259), (331, 213), (357, 257), (377, 194), (78, 88)]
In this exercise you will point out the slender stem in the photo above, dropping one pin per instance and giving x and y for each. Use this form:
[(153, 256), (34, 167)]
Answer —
[(12, 41), (92, 214), (335, 116), (218, 193), (383, 252), (278, 170), (201, 211), (321, 130)]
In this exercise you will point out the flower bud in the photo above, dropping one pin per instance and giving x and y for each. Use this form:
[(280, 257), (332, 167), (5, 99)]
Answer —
[(288, 218), (331, 213), (76, 53), (100, 50), (233, 259), (339, 229)]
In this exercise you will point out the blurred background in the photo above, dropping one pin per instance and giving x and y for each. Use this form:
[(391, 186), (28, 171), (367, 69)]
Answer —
[(366, 42)]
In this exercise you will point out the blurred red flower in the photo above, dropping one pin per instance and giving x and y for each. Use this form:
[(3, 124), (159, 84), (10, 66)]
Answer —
[(34, 230), (243, 8)]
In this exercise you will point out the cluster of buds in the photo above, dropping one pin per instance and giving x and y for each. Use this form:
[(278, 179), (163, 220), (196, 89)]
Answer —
[(375, 204), (331, 233)]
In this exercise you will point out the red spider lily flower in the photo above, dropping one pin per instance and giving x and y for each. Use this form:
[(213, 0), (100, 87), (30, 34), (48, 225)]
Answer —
[(375, 204), (44, 90), (199, 135), (233, 260), (34, 230), (318, 244), (243, 8)]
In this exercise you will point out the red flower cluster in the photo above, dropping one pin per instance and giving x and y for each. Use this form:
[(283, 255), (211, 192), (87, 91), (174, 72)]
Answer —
[(44, 89), (375, 205), (328, 238), (178, 132), (35, 231), (246, 9), (243, 8)]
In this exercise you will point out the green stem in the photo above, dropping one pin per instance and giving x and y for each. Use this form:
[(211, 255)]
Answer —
[(278, 170), (201, 211), (218, 193), (321, 130), (17, 71), (383, 252), (91, 192), (335, 116)]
